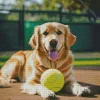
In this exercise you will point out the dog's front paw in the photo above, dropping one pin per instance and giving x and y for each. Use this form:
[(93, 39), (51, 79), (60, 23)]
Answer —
[(80, 90), (29, 89), (4, 83), (45, 92), (37, 89)]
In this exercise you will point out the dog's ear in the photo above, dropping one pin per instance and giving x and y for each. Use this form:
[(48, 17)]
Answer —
[(34, 40), (69, 37)]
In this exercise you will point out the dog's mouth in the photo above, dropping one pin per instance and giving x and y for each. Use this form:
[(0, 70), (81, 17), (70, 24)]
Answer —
[(53, 54)]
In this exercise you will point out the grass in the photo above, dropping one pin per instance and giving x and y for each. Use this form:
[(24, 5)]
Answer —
[(3, 59), (87, 63), (77, 62)]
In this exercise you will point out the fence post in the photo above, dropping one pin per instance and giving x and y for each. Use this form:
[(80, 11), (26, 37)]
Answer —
[(21, 28), (60, 13)]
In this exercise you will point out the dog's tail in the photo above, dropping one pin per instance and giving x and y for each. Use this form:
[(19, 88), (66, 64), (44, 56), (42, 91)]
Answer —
[(4, 83)]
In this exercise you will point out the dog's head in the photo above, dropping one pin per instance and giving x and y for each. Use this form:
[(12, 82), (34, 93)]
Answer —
[(52, 37)]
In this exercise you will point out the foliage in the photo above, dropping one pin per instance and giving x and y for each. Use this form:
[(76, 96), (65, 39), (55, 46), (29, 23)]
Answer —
[(77, 6), (68, 5)]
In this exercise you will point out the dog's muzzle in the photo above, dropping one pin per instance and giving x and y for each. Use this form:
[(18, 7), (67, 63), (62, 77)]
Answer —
[(53, 43), (53, 53)]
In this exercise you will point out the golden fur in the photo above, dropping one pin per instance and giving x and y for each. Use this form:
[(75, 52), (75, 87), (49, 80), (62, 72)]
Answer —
[(29, 65)]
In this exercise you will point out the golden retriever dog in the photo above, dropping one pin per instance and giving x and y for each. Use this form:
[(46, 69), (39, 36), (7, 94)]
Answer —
[(51, 42)]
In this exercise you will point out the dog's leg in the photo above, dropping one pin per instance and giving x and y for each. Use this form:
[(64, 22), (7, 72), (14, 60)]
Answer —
[(10, 70), (75, 88), (33, 86), (37, 89)]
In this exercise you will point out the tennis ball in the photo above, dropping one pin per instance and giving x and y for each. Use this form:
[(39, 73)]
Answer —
[(52, 79)]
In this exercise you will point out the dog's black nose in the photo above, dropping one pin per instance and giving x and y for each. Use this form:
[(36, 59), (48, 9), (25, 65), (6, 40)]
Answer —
[(53, 43)]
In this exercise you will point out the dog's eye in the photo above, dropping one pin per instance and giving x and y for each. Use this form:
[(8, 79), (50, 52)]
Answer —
[(45, 33), (59, 32)]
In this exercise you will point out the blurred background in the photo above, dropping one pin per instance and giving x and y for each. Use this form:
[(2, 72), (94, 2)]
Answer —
[(19, 17)]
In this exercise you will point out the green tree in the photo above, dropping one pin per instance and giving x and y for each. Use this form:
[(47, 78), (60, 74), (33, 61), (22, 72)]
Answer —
[(69, 5)]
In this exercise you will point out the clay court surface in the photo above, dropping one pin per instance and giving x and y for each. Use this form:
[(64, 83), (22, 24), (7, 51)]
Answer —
[(90, 77)]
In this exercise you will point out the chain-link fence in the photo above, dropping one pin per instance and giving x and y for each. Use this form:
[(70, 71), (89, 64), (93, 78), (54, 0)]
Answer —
[(16, 31)]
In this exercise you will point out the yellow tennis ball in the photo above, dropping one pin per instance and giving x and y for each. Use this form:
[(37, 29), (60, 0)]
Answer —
[(52, 79)]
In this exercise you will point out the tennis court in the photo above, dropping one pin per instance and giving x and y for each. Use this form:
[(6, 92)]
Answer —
[(86, 72), (88, 77)]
